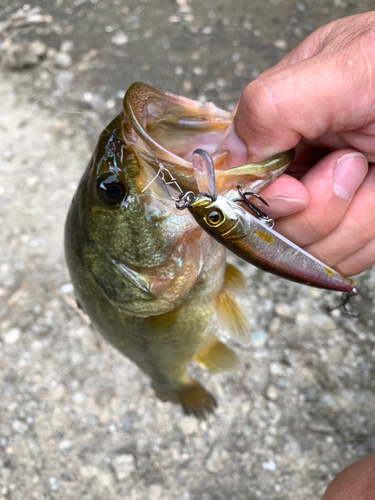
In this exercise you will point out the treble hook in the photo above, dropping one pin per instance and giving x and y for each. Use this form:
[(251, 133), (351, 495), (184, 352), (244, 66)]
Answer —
[(344, 302), (261, 215)]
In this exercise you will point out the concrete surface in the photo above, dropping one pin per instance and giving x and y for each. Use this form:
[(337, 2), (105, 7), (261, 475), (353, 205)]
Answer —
[(79, 421)]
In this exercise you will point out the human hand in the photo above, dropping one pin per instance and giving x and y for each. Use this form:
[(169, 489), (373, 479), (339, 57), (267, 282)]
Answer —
[(355, 482), (320, 99)]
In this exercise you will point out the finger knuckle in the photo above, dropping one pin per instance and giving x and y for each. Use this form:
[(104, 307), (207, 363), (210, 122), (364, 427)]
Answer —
[(259, 102)]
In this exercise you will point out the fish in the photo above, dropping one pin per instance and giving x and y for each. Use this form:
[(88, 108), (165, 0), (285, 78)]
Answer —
[(153, 282)]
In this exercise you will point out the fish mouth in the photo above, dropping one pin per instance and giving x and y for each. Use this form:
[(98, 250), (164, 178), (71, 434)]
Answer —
[(165, 129)]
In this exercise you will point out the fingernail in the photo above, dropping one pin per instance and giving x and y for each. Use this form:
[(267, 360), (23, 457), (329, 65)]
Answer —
[(237, 149), (281, 207), (350, 171)]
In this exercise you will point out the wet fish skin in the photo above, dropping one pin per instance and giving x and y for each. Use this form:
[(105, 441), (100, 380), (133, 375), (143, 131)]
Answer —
[(149, 277), (145, 273)]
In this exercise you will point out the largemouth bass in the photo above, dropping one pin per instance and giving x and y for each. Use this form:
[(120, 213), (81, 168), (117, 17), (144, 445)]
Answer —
[(152, 280)]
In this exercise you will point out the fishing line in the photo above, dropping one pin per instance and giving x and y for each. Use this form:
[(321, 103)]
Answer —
[(161, 168), (86, 115)]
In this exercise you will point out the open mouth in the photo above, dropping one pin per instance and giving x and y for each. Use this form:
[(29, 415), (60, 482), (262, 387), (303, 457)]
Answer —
[(164, 129), (174, 126)]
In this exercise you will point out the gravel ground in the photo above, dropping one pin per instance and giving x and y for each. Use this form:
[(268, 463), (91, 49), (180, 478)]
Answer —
[(78, 420)]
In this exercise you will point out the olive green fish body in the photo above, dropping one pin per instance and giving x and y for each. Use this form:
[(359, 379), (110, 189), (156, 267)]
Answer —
[(161, 345), (144, 272)]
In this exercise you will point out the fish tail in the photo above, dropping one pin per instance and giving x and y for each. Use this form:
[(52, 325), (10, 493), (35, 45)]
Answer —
[(193, 397)]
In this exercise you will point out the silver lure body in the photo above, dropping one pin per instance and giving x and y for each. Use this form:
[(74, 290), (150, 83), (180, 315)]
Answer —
[(253, 241)]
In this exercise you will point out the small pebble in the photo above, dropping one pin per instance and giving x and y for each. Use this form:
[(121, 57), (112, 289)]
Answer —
[(67, 288), (284, 310), (120, 38), (67, 46), (31, 181), (65, 445), (258, 338), (18, 55), (215, 461), (127, 424), (123, 466), (197, 70), (187, 85), (62, 60), (280, 44), (19, 426), (53, 484), (188, 425), (272, 393), (12, 336), (276, 369), (39, 48), (270, 465), (155, 492), (79, 397)]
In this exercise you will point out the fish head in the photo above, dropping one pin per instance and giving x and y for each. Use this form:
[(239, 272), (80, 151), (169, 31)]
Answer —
[(219, 217), (135, 223), (132, 234)]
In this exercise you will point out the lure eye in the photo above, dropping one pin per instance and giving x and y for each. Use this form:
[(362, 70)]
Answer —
[(214, 218), (111, 191)]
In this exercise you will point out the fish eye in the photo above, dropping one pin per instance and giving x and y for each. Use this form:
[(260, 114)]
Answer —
[(110, 190), (214, 218)]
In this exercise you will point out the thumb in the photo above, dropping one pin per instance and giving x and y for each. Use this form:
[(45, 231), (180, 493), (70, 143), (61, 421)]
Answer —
[(330, 92)]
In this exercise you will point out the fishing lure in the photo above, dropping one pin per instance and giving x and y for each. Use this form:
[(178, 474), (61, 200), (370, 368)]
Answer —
[(252, 237)]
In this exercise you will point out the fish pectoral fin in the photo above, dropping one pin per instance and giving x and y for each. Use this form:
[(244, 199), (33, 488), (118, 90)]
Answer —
[(230, 316), (217, 357), (234, 280)]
